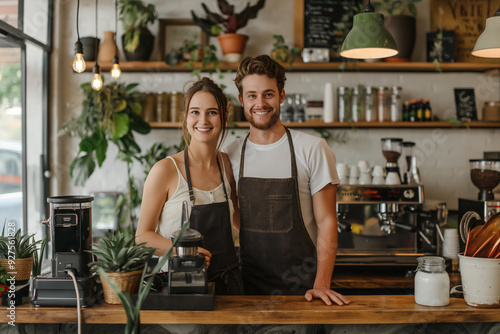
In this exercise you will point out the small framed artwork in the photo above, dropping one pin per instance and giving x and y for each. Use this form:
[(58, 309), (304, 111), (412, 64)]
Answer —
[(174, 33), (465, 104), (441, 46)]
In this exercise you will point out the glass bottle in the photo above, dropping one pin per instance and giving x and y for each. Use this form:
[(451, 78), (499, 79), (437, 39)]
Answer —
[(432, 283), (343, 103), (383, 104), (355, 101), (370, 104), (299, 114), (287, 109), (396, 104)]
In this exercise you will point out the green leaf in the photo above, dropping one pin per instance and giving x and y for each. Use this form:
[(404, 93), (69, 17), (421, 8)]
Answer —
[(131, 87), (138, 125), (120, 125), (120, 105), (100, 152), (82, 168)]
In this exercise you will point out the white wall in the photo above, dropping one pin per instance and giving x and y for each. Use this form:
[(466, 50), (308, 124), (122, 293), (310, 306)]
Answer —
[(443, 153)]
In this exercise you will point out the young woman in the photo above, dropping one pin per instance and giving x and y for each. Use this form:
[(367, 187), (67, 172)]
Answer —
[(202, 176)]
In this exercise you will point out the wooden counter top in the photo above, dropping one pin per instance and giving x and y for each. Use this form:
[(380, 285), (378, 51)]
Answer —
[(372, 309)]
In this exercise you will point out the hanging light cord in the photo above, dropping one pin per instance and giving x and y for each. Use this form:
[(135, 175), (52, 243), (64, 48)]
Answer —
[(96, 43), (77, 15), (116, 24)]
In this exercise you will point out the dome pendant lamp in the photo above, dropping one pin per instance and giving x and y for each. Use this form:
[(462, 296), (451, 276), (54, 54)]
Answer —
[(368, 38), (488, 43)]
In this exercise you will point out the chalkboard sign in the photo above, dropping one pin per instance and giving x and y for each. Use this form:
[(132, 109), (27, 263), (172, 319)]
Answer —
[(465, 103), (326, 22)]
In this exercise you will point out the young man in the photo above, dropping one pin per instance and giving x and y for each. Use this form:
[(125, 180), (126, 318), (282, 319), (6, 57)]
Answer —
[(286, 183)]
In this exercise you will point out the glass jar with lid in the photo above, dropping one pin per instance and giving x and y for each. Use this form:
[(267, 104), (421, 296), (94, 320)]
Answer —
[(396, 104), (383, 104), (432, 283), (343, 103), (370, 104)]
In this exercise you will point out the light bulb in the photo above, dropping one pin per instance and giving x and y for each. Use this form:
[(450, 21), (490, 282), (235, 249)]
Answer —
[(96, 83), (115, 70), (78, 62)]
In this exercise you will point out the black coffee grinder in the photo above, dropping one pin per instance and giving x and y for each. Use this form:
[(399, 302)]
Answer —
[(187, 287), (187, 270), (70, 225)]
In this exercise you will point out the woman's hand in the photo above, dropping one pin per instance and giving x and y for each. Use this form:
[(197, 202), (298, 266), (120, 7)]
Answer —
[(207, 254)]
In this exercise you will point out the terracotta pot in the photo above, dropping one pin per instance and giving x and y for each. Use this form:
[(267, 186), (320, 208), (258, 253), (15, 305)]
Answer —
[(107, 49), (232, 46), (128, 281), (403, 28)]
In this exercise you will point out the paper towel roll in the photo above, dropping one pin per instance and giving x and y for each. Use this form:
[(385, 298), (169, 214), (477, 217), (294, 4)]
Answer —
[(328, 114)]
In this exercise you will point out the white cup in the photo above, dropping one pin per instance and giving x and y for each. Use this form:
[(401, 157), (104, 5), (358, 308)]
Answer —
[(363, 166), (342, 169), (378, 171), (354, 171)]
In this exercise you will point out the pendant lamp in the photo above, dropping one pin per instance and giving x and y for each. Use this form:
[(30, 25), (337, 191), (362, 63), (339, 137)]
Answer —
[(78, 62), (488, 43), (96, 82), (115, 68), (368, 38)]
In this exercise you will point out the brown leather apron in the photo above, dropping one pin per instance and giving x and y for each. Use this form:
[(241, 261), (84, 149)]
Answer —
[(277, 252), (213, 221)]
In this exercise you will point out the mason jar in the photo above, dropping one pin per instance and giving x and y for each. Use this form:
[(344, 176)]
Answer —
[(432, 283)]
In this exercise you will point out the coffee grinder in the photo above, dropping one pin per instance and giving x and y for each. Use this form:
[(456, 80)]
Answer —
[(187, 287), (412, 174), (70, 225), (391, 149), (485, 175)]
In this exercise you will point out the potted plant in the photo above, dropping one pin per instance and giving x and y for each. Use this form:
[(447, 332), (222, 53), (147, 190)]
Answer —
[(123, 261), (401, 23), (110, 115), (17, 251), (226, 24), (138, 41), (281, 52)]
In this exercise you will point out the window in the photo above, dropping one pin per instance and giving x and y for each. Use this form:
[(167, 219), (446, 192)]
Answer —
[(25, 39)]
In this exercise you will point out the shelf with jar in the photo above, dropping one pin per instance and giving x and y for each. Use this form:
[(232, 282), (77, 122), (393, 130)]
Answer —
[(298, 66), (362, 125)]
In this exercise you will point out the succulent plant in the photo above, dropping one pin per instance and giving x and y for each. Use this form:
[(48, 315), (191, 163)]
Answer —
[(229, 21), (120, 253), (24, 245)]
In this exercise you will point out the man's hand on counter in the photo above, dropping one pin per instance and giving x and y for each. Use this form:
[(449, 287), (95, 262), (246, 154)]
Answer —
[(327, 295)]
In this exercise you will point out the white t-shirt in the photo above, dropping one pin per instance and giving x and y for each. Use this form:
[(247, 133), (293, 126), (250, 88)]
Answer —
[(315, 167)]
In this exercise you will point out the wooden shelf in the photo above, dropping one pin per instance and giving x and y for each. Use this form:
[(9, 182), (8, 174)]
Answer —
[(381, 66), (363, 125)]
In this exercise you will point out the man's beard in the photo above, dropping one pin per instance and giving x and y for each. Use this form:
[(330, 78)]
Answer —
[(274, 118)]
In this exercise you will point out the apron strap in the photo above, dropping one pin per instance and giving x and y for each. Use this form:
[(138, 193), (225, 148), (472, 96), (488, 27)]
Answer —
[(188, 177), (292, 154)]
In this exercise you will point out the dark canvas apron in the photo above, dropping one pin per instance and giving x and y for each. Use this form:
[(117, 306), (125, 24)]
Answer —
[(213, 221), (277, 252)]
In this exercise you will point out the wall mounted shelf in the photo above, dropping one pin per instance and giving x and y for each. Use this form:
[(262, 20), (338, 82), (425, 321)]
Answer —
[(360, 125), (382, 66)]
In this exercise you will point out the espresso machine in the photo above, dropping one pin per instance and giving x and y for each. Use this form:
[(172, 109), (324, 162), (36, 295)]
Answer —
[(382, 225), (70, 225), (485, 175)]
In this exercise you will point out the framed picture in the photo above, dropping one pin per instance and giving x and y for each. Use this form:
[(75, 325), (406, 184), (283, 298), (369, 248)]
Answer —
[(441, 46), (465, 104), (174, 33)]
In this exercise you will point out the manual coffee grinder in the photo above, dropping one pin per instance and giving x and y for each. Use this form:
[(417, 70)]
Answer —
[(187, 270), (391, 149), (70, 225), (412, 174)]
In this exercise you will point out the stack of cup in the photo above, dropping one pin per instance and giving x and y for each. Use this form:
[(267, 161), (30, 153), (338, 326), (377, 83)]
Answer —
[(378, 175), (343, 171), (451, 246), (364, 169), (353, 174)]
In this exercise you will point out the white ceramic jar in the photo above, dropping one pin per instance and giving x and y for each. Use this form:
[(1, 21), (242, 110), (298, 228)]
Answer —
[(432, 283)]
